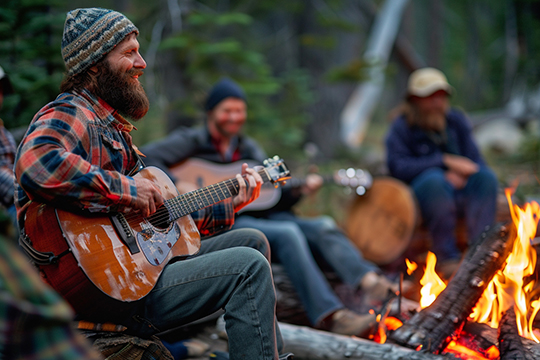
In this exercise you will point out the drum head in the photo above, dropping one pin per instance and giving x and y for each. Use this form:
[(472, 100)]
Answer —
[(380, 223)]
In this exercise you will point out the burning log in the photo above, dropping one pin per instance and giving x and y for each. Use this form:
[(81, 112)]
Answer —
[(510, 344), (432, 328)]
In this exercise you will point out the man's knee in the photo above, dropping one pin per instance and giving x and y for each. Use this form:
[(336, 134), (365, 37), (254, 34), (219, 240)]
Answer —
[(485, 180), (255, 239), (289, 234)]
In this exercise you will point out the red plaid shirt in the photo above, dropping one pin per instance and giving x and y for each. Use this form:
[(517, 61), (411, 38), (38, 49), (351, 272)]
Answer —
[(78, 151)]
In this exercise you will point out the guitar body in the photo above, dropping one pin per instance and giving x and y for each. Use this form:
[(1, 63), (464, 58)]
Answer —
[(196, 173), (99, 255)]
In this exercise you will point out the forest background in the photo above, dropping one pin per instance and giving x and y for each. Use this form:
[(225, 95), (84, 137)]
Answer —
[(299, 62)]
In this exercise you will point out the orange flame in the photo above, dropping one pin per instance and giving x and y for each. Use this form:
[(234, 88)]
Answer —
[(389, 323), (411, 266), (509, 287), (462, 351), (432, 285)]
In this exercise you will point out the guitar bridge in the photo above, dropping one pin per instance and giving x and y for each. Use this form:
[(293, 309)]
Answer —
[(124, 232)]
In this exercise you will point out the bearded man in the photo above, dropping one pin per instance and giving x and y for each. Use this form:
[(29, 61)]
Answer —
[(78, 155), (431, 147)]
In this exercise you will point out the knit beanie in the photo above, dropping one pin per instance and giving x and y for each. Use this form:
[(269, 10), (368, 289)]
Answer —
[(90, 34), (223, 89)]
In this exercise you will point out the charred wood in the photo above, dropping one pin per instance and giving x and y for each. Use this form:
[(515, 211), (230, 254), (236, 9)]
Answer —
[(510, 344), (432, 328)]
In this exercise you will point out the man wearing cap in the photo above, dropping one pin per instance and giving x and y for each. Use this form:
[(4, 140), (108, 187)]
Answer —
[(78, 154), (292, 238), (431, 147)]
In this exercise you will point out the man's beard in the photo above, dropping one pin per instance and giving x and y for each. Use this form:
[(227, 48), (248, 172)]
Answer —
[(434, 121), (119, 91)]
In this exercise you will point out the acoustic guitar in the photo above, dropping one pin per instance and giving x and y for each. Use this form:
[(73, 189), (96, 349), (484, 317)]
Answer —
[(195, 173), (124, 254)]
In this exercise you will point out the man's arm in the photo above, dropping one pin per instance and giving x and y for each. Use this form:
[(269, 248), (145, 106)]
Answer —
[(51, 165), (402, 162)]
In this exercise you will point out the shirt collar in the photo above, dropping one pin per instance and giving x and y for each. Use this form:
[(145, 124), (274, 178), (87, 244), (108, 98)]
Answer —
[(107, 112)]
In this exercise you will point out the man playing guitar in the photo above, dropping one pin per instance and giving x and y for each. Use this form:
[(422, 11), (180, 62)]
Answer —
[(77, 157)]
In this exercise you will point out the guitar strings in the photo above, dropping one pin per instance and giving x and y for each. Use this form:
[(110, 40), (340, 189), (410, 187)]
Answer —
[(181, 202), (185, 203)]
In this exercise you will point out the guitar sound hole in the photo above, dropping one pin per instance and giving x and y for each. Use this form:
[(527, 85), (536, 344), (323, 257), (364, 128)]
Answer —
[(160, 219)]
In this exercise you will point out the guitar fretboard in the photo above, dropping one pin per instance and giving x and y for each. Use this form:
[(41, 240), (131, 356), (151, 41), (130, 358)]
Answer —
[(192, 201)]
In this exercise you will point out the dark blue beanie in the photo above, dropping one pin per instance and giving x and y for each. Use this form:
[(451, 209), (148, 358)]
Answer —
[(223, 89)]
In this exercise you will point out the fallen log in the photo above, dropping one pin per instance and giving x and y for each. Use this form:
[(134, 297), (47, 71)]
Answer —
[(432, 328), (510, 344), (310, 344)]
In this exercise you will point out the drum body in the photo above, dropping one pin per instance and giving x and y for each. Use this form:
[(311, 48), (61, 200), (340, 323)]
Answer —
[(381, 222)]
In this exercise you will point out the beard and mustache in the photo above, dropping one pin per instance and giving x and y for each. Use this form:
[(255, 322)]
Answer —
[(121, 91), (433, 120)]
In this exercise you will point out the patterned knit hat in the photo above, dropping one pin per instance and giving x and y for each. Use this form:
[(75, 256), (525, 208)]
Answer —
[(90, 34)]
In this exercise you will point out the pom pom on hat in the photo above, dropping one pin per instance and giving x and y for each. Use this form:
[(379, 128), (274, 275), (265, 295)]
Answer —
[(223, 89), (90, 34)]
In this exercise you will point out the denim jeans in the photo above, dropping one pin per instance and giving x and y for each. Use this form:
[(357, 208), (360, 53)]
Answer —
[(441, 205), (292, 240), (229, 273)]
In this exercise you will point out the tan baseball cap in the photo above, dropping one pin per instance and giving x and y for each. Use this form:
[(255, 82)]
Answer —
[(424, 82)]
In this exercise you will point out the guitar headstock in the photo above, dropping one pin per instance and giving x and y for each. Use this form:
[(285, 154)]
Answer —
[(357, 179), (276, 170)]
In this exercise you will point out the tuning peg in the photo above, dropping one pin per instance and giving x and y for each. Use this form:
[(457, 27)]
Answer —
[(276, 158), (265, 162)]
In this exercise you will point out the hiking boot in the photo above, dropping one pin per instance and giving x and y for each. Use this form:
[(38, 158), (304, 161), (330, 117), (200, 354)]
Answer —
[(347, 322)]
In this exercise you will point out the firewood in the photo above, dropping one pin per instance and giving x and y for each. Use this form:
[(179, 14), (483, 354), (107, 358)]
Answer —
[(310, 344), (510, 344), (432, 328)]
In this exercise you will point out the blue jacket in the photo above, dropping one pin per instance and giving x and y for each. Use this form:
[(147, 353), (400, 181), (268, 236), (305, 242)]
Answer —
[(410, 150)]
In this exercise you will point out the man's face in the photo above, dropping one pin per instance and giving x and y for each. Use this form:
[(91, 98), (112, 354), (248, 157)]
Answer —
[(432, 109), (118, 83), (228, 116)]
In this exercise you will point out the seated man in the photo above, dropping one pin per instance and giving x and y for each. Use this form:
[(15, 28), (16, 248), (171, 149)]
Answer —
[(292, 239), (431, 147), (77, 155)]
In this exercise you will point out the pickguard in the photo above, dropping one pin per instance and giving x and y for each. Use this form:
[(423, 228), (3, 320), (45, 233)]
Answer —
[(156, 244)]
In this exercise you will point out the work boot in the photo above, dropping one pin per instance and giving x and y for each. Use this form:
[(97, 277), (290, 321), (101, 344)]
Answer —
[(347, 322)]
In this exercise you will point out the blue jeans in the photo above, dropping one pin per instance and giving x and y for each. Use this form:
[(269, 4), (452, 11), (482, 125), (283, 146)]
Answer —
[(441, 205), (229, 273), (292, 240)]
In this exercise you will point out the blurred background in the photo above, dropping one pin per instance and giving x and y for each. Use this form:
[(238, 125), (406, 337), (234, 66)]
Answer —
[(315, 72)]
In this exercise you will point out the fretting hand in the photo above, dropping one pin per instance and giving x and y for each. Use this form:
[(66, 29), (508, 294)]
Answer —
[(247, 193)]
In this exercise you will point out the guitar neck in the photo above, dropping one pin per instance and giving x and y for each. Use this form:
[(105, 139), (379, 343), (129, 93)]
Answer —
[(192, 201)]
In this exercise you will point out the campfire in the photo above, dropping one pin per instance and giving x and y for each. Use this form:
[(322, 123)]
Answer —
[(485, 311), (494, 285)]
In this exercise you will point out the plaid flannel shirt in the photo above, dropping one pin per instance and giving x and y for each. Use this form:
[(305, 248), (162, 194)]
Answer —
[(35, 323), (7, 156), (78, 150)]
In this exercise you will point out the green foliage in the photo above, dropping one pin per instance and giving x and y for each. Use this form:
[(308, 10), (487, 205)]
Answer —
[(30, 36), (213, 45)]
